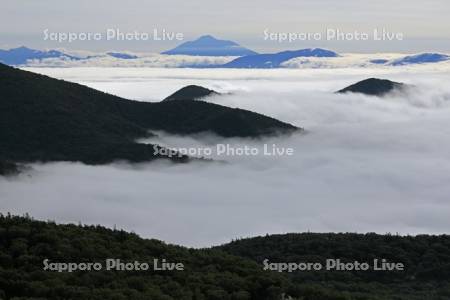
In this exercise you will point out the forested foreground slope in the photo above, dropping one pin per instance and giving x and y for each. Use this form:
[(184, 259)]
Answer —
[(232, 271)]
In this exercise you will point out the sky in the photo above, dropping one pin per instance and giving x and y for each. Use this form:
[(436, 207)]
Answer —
[(364, 164), (424, 25)]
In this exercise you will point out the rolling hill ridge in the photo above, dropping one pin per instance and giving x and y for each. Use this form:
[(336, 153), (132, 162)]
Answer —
[(45, 119)]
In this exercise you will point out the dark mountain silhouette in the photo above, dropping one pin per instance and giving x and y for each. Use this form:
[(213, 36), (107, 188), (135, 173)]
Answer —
[(274, 60), (20, 56), (191, 92), (420, 59), (45, 119), (7, 167), (373, 86), (208, 45)]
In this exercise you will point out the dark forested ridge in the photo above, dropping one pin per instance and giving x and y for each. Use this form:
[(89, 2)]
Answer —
[(208, 274), (374, 87), (230, 272), (45, 119), (426, 259)]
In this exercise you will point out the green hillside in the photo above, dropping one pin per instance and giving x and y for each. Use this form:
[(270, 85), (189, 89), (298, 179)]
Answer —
[(229, 272), (208, 274), (426, 259)]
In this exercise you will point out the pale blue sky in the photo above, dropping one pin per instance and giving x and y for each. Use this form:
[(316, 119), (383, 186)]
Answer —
[(425, 24)]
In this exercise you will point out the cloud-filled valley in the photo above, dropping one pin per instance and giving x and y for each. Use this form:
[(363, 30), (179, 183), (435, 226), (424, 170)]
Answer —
[(364, 163)]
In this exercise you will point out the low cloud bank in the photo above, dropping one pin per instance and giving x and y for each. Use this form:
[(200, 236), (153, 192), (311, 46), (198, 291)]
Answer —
[(383, 61), (364, 164), (144, 61)]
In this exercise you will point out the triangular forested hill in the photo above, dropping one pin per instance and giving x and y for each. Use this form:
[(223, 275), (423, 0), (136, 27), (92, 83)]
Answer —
[(374, 87), (191, 92)]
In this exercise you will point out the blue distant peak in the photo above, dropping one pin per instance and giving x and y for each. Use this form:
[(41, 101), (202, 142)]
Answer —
[(208, 45), (274, 60), (420, 59), (380, 61)]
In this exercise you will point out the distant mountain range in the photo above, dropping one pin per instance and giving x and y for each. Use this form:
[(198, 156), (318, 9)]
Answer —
[(208, 45), (20, 56), (268, 61), (209, 52), (420, 59), (55, 120)]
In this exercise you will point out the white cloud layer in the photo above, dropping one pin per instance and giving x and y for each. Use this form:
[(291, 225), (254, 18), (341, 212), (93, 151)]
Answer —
[(365, 163), (152, 60)]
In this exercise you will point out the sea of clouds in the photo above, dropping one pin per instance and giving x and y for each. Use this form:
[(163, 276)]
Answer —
[(363, 164)]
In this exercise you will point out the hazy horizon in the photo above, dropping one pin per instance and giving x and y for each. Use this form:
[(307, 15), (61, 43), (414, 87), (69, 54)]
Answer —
[(424, 26)]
